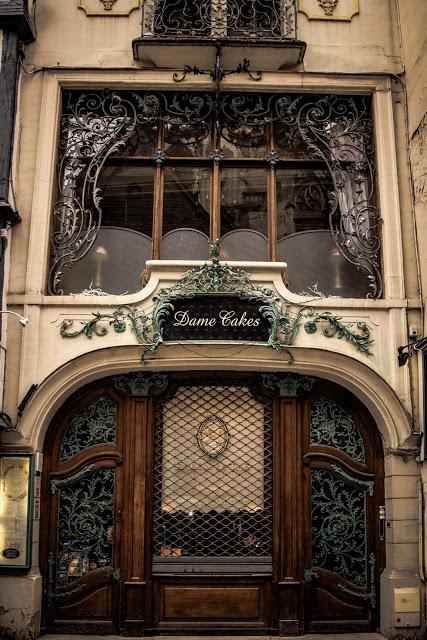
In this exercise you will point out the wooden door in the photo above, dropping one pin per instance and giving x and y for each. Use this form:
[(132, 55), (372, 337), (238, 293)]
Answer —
[(212, 507), (84, 487), (194, 503), (343, 489)]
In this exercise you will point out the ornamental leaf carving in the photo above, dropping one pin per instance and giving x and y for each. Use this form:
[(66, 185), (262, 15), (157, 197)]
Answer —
[(328, 6)]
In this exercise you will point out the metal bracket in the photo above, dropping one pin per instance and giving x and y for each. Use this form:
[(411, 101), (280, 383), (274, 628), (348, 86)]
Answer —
[(218, 73)]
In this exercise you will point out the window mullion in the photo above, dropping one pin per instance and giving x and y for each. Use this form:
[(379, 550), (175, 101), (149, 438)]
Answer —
[(271, 199), (215, 229), (159, 181)]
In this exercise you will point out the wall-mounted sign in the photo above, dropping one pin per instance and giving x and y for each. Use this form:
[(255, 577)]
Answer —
[(216, 318), (16, 482)]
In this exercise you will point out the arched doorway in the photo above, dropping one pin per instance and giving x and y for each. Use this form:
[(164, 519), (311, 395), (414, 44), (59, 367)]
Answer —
[(212, 502)]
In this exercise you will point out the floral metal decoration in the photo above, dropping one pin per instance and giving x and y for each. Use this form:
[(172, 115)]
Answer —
[(230, 19), (335, 129), (218, 278)]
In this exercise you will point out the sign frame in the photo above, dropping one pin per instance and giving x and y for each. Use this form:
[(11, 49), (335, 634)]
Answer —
[(26, 565)]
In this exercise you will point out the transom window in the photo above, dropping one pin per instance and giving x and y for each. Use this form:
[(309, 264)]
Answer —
[(274, 177)]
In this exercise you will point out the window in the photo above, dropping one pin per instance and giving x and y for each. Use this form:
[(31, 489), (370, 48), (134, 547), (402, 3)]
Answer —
[(274, 177), (213, 471)]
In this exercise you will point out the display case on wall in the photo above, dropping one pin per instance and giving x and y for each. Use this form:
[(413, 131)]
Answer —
[(16, 501)]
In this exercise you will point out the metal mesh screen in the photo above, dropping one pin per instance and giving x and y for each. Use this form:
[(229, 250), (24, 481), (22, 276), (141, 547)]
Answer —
[(212, 474)]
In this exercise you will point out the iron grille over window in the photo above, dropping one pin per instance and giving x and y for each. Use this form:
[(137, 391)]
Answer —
[(212, 479), (274, 177)]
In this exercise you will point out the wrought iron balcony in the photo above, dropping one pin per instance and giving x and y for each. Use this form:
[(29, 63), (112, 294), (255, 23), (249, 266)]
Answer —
[(219, 19), (15, 16), (233, 23)]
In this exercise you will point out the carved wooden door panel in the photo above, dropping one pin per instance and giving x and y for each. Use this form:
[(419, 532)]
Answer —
[(84, 481), (343, 490)]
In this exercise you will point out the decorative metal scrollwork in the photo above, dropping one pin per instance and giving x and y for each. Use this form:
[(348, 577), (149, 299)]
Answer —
[(93, 424), (334, 129), (219, 278), (371, 596), (213, 436), (288, 385), (339, 535), (92, 127), (139, 384), (332, 425), (85, 524), (226, 19)]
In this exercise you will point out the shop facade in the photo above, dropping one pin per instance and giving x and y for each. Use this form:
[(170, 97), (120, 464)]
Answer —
[(215, 269)]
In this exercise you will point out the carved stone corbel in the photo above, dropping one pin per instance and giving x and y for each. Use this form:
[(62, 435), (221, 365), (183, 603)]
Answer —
[(329, 9), (108, 7)]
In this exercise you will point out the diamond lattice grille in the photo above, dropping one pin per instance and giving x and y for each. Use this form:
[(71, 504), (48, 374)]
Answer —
[(213, 474)]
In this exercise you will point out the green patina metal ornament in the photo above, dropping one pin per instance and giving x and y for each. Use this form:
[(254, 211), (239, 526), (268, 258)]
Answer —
[(288, 385), (216, 278)]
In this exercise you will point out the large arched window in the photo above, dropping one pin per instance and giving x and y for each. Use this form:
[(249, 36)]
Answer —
[(156, 175)]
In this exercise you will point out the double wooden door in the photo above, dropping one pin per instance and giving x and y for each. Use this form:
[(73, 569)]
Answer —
[(191, 503)]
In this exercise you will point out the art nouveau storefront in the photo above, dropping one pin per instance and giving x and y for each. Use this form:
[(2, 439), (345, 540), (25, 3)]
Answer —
[(221, 487), (223, 441)]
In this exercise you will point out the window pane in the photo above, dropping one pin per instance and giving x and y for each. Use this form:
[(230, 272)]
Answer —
[(289, 142), (302, 200), (305, 241), (186, 212), (142, 142), (188, 140), (241, 140), (127, 197), (244, 221), (116, 261)]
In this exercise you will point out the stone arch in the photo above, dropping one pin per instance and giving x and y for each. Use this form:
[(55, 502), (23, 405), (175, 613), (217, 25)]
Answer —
[(371, 389)]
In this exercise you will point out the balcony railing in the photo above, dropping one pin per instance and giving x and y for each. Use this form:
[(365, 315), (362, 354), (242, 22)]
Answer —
[(254, 20), (15, 16)]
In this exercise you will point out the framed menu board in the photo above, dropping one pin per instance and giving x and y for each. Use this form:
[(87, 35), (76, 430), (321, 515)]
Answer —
[(16, 492)]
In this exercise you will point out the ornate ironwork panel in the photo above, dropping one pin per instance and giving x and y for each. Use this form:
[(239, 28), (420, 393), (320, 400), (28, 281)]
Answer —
[(212, 474), (93, 424), (139, 384), (259, 19), (339, 530), (332, 425), (85, 525), (334, 129)]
